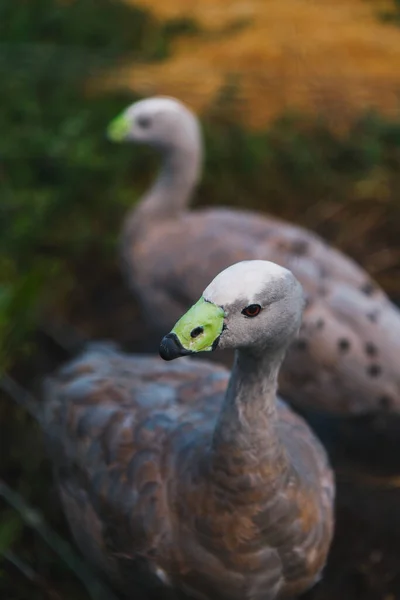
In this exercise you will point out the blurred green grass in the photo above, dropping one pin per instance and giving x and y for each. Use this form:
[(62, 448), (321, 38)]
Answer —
[(65, 189)]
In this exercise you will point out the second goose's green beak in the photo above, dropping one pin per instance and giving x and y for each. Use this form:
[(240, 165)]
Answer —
[(119, 128), (198, 330)]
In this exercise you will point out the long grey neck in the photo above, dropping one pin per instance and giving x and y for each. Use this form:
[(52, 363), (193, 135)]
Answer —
[(246, 436), (169, 196)]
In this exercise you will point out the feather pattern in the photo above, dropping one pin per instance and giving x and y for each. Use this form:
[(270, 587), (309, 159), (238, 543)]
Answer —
[(131, 441), (347, 357)]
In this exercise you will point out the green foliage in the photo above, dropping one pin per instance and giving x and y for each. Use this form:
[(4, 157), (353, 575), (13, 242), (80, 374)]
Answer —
[(392, 15), (344, 187), (106, 26), (62, 183), (10, 531), (65, 188)]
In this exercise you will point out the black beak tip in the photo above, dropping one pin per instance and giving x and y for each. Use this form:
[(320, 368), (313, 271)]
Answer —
[(165, 352), (171, 348)]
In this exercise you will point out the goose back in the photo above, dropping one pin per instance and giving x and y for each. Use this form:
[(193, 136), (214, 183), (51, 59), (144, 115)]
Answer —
[(346, 357)]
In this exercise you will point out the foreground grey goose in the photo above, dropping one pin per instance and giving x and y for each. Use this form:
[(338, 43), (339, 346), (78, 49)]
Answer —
[(347, 358), (178, 480)]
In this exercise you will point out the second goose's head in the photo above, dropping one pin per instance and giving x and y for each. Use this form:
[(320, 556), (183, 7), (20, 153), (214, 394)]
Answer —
[(161, 122), (255, 305)]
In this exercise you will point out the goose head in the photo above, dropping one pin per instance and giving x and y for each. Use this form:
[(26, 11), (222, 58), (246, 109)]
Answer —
[(255, 305), (161, 122)]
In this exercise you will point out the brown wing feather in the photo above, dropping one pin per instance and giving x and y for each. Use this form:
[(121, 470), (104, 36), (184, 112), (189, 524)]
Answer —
[(128, 437), (347, 357)]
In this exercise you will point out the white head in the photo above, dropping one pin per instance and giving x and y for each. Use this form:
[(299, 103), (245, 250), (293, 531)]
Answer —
[(253, 304), (162, 122)]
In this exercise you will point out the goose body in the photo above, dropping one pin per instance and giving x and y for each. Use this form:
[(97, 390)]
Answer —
[(180, 481), (346, 359)]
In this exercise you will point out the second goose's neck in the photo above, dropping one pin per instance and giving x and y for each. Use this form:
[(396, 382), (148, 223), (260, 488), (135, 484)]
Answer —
[(246, 435), (169, 195)]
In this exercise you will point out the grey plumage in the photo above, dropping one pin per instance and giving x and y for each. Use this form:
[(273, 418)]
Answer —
[(347, 357), (175, 482)]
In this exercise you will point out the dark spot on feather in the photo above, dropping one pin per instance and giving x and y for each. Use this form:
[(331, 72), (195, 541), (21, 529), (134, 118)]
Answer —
[(373, 316), (301, 344), (344, 345), (385, 402), (368, 288), (374, 370), (371, 349), (319, 323), (300, 247)]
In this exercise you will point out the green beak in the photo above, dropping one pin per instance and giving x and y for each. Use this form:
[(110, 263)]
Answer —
[(119, 128), (197, 331)]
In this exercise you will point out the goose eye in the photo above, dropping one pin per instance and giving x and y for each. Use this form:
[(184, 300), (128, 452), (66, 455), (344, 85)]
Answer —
[(144, 122), (252, 310)]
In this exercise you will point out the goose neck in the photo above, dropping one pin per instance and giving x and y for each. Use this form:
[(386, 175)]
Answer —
[(169, 195), (247, 425)]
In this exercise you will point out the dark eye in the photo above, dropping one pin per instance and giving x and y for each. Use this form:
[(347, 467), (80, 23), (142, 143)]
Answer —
[(143, 122), (252, 310), (196, 332)]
